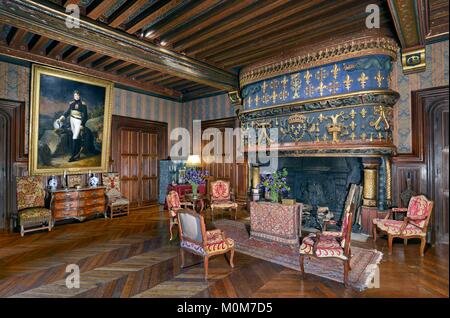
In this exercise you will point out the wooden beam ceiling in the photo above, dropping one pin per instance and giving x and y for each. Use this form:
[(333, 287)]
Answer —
[(209, 40), (149, 87), (37, 18)]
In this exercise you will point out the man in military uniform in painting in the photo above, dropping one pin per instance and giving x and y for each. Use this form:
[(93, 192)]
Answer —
[(77, 112)]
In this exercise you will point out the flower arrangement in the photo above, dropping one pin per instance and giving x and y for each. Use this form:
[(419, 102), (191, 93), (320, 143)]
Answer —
[(195, 177), (275, 183)]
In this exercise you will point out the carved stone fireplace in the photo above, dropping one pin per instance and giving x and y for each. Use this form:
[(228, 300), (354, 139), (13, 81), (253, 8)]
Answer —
[(328, 112)]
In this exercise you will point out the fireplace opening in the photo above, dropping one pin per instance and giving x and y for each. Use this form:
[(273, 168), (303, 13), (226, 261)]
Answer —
[(322, 182)]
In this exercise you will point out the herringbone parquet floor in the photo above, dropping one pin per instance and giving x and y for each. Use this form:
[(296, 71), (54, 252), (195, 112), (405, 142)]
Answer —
[(132, 257)]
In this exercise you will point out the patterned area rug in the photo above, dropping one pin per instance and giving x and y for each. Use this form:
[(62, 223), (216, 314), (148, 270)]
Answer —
[(364, 262)]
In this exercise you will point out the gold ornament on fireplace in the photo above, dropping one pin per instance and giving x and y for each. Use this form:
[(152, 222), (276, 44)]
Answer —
[(298, 125), (379, 78), (382, 113), (362, 79), (263, 136), (296, 83), (336, 128)]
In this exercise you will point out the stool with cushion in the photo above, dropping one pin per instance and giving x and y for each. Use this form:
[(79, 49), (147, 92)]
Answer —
[(195, 239), (116, 204), (33, 216)]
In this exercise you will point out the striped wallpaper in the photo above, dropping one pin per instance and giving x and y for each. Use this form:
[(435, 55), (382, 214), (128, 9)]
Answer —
[(213, 107), (15, 81), (436, 74)]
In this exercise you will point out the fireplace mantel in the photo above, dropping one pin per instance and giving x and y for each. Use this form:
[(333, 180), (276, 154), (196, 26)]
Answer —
[(333, 99)]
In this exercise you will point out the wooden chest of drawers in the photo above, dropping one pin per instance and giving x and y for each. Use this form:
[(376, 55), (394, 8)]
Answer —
[(77, 203)]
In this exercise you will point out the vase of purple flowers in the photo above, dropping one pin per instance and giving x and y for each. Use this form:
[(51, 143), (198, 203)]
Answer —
[(196, 177), (275, 184)]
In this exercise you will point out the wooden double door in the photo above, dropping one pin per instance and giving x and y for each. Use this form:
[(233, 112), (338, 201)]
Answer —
[(137, 147), (437, 106), (235, 171)]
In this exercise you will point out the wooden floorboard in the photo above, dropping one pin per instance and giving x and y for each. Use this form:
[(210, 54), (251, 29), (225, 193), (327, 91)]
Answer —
[(132, 257)]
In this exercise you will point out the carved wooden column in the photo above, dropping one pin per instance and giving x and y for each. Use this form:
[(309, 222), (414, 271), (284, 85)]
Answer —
[(255, 183), (388, 181), (370, 193)]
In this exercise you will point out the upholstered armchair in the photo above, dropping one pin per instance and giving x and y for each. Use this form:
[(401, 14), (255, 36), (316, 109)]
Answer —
[(328, 244), (174, 205), (414, 225), (116, 203), (33, 216), (196, 240), (221, 197)]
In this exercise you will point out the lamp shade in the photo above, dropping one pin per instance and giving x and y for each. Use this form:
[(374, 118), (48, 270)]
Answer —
[(193, 161)]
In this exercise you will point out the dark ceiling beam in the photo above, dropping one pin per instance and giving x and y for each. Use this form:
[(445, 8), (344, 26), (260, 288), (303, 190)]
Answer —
[(277, 40), (17, 39), (149, 87), (112, 67), (141, 76), (161, 8), (183, 17), (257, 55), (98, 8), (170, 81), (154, 77), (90, 59), (143, 71), (57, 51), (262, 7), (102, 62), (68, 2), (129, 69), (39, 46), (259, 28), (39, 18), (74, 55), (410, 19), (159, 78), (125, 11)]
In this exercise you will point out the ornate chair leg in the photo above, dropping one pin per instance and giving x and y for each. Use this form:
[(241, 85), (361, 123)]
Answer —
[(390, 239), (170, 229), (22, 231), (182, 257), (302, 265), (231, 257), (423, 242), (205, 264), (346, 270), (374, 232)]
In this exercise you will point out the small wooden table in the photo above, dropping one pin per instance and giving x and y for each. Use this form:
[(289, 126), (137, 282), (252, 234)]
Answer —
[(197, 200)]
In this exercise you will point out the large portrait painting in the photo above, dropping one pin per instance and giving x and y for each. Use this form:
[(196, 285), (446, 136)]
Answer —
[(70, 122)]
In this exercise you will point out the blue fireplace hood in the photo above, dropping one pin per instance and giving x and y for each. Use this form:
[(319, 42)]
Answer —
[(330, 99)]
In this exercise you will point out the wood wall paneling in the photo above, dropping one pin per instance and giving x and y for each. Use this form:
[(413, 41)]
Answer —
[(421, 164), (236, 173), (137, 146)]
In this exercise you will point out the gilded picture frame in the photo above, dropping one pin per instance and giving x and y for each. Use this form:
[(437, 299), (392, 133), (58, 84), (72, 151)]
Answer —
[(70, 122)]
